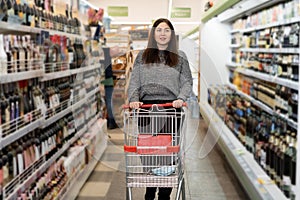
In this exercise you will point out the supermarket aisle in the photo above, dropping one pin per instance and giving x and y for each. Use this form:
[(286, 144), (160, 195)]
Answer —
[(209, 178)]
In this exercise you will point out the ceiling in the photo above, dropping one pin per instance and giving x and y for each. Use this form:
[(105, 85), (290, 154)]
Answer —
[(143, 12)]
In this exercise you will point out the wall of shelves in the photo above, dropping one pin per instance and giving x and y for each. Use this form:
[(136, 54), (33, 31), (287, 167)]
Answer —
[(218, 68), (87, 99)]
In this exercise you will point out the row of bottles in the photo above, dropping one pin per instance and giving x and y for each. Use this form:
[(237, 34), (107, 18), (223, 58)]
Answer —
[(24, 53), (269, 138), (48, 185), (40, 14), (20, 155), (283, 36), (25, 101), (18, 54), (278, 13), (61, 54), (19, 105), (280, 65), (279, 98), (43, 143)]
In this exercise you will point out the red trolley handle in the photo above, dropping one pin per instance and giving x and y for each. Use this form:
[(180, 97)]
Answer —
[(135, 149), (166, 105)]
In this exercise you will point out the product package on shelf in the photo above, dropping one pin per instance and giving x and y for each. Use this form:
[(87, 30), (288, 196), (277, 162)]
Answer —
[(49, 97), (260, 62)]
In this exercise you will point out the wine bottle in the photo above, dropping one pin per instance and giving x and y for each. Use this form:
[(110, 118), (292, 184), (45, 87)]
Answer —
[(269, 151), (20, 158), (14, 53), (3, 56), (5, 168)]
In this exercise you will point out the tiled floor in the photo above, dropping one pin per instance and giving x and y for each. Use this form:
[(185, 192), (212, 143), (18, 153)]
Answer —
[(208, 178)]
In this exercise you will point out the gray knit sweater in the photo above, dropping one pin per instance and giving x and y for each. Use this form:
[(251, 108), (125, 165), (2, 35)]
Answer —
[(159, 81)]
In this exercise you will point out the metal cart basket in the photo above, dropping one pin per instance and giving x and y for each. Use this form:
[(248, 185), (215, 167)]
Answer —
[(154, 147)]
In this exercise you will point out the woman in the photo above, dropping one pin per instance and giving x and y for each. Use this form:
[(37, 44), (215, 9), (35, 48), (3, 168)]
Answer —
[(161, 74)]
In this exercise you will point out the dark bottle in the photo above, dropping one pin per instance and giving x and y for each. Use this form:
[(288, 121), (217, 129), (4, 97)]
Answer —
[(273, 163), (295, 68), (5, 167), (286, 187), (293, 168), (293, 105), (269, 153), (279, 162), (72, 56)]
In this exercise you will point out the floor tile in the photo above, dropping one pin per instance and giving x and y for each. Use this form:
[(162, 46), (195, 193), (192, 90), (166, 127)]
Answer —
[(101, 176), (95, 189), (101, 167), (112, 157), (113, 165)]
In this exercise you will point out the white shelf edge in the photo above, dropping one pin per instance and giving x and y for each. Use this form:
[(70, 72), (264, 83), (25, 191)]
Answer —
[(272, 50), (269, 78), (69, 72), (5, 26), (43, 168), (54, 118), (246, 168), (260, 27), (20, 133), (6, 78)]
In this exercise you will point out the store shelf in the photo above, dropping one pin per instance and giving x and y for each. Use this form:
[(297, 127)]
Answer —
[(22, 186), (20, 133), (272, 50), (217, 9), (66, 73), (245, 8), (249, 173), (72, 189), (233, 65), (274, 24), (55, 75), (235, 46), (268, 77), (66, 110), (6, 27), (12, 27), (7, 78), (263, 106)]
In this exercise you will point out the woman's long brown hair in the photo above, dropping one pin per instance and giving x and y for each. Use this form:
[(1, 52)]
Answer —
[(151, 53)]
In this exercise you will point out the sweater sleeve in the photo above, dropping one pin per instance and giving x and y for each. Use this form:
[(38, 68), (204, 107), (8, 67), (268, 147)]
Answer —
[(135, 82), (186, 80)]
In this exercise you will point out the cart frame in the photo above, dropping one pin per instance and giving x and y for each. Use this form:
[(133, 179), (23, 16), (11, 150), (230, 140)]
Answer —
[(154, 147)]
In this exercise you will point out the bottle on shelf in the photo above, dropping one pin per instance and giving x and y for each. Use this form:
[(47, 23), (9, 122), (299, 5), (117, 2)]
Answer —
[(3, 56)]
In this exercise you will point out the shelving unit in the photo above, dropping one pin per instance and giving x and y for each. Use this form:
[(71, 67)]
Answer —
[(255, 180), (217, 64), (41, 120)]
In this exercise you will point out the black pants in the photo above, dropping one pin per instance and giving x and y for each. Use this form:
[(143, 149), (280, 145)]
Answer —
[(164, 193)]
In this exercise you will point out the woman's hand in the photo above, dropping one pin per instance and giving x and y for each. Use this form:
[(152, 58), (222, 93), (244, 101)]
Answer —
[(135, 104), (177, 103)]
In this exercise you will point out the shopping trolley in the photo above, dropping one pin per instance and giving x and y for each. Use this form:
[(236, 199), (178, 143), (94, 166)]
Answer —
[(153, 147)]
